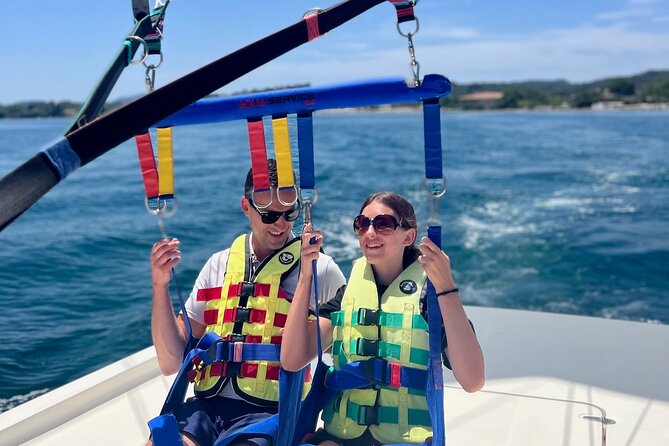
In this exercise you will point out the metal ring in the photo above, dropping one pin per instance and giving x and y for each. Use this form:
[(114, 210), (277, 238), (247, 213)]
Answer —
[(144, 45), (436, 186), (312, 11), (265, 206), (152, 66), (278, 196), (407, 35), (162, 206), (308, 195)]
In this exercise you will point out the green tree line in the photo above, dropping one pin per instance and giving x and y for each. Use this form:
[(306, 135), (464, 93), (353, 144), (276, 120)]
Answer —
[(38, 109), (650, 87)]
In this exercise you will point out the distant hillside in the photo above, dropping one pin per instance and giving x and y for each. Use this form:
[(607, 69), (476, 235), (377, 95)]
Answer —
[(651, 87), (39, 109)]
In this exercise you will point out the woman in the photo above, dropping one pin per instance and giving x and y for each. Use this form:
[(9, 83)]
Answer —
[(381, 317)]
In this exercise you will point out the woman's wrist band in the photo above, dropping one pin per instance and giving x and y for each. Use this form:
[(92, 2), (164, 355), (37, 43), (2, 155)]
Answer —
[(452, 290)]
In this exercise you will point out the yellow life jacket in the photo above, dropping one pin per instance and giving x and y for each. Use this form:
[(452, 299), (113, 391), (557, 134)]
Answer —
[(394, 334), (246, 311)]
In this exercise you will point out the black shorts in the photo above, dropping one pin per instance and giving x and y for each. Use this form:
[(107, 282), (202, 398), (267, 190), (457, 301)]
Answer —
[(365, 439), (208, 420)]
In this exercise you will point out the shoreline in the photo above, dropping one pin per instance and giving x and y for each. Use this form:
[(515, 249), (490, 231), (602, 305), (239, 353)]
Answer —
[(643, 107), (597, 107)]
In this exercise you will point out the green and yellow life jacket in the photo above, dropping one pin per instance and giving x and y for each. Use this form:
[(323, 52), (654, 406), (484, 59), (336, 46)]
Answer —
[(245, 311), (393, 334)]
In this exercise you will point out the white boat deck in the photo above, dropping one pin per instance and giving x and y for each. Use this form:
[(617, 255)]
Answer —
[(550, 380)]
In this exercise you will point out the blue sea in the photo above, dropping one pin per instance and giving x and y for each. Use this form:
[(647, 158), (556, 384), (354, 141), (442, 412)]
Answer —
[(551, 211)]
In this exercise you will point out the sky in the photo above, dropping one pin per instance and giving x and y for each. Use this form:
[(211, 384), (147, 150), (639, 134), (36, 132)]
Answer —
[(57, 50)]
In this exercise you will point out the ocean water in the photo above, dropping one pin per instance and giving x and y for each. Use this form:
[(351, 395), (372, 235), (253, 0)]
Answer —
[(560, 212)]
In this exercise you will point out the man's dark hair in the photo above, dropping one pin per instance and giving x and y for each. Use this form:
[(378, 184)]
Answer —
[(273, 178)]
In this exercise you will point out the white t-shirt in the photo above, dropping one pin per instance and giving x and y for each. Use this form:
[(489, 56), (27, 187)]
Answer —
[(330, 279)]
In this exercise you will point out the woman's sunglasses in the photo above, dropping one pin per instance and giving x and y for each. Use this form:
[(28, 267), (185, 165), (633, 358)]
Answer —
[(383, 224), (270, 217)]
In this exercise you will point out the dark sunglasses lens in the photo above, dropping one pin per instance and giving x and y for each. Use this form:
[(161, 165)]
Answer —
[(385, 224), (360, 223), (269, 217), (292, 214)]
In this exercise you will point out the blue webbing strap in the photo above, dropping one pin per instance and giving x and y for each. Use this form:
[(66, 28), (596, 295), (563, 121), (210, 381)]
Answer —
[(363, 374), (273, 428), (319, 395), (164, 429), (435, 381), (291, 385), (221, 352), (178, 390), (62, 158), (436, 188), (432, 131), (292, 402), (305, 143)]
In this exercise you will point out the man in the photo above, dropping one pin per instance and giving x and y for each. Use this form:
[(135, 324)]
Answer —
[(242, 294)]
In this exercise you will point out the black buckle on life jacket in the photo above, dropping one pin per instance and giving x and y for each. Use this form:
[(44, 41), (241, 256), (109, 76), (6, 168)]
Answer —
[(232, 368), (367, 347), (367, 415), (248, 289), (368, 316), (235, 337), (242, 314), (215, 351)]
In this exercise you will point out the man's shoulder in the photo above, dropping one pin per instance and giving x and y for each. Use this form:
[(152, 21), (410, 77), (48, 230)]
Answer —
[(326, 264), (223, 254), (218, 259)]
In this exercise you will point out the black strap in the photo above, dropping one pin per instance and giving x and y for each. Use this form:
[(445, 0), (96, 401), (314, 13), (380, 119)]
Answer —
[(105, 133), (96, 100), (140, 9)]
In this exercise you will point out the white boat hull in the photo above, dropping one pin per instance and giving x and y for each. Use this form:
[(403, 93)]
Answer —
[(551, 379)]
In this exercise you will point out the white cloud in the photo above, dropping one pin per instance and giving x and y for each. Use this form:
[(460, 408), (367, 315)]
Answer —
[(579, 55), (613, 16)]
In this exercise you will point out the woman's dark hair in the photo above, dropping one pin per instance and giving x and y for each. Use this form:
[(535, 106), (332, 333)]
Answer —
[(405, 212)]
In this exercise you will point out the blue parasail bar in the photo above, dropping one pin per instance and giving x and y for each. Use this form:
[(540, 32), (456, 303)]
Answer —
[(300, 100)]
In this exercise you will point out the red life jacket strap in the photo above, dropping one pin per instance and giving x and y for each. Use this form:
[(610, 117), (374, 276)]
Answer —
[(238, 289), (243, 314), (207, 294)]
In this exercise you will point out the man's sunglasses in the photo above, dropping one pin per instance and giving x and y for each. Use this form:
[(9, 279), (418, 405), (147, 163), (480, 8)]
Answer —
[(270, 217), (383, 224)]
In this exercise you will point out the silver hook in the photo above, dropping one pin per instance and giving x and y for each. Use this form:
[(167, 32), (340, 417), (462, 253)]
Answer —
[(414, 65), (150, 78)]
